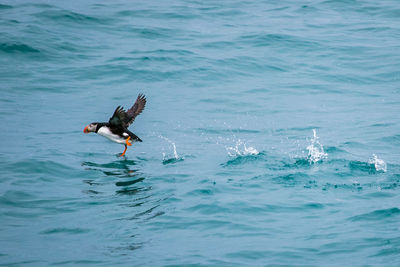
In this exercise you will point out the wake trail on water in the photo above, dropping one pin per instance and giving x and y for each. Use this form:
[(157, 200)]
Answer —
[(316, 153)]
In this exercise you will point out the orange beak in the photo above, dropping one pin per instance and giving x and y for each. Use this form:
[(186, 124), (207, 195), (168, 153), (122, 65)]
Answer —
[(86, 130)]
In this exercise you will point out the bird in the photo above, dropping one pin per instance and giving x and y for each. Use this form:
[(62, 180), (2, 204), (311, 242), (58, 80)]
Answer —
[(116, 129)]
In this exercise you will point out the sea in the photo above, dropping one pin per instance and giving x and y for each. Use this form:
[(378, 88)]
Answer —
[(271, 133)]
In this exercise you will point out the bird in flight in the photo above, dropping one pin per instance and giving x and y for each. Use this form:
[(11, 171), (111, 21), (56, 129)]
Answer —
[(116, 129)]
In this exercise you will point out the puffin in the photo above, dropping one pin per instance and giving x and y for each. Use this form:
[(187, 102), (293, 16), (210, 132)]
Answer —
[(116, 129)]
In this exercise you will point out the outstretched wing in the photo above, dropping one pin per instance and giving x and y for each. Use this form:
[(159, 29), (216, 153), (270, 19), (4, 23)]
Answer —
[(122, 118), (118, 118), (136, 109)]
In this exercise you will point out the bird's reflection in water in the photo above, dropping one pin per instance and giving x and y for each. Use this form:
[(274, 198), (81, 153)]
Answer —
[(127, 195), (118, 168), (125, 172), (129, 182)]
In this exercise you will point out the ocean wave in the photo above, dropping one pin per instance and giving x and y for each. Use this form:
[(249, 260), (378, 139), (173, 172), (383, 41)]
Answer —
[(296, 129), (242, 159), (377, 215), (251, 66), (393, 139), (150, 32), (224, 131), (68, 16), (63, 230), (279, 40), (2, 6), (17, 48), (291, 179), (374, 165), (333, 150), (30, 167)]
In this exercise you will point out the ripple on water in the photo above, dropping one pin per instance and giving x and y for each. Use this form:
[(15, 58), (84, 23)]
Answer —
[(363, 167), (392, 140), (377, 215), (33, 167), (278, 40), (63, 230), (291, 179), (17, 48), (18, 204), (171, 160), (67, 16), (243, 159), (5, 7)]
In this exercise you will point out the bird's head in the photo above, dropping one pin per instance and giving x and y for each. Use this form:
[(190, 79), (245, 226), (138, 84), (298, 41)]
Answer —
[(90, 128)]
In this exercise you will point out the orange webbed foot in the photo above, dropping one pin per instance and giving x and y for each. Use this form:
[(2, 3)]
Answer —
[(127, 141), (123, 153)]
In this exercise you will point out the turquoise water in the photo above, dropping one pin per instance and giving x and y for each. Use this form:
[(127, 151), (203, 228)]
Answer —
[(271, 133)]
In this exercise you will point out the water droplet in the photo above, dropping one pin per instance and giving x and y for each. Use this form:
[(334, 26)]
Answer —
[(315, 149)]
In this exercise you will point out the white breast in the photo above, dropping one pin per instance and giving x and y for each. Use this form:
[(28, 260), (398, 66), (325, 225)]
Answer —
[(105, 131)]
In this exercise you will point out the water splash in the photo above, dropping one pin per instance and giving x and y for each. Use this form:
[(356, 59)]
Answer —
[(315, 150), (172, 144), (167, 158), (379, 164), (241, 149)]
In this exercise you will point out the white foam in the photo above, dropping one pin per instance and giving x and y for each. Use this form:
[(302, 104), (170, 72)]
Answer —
[(379, 164), (316, 150)]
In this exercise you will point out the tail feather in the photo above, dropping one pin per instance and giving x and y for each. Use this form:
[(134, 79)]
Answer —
[(134, 137)]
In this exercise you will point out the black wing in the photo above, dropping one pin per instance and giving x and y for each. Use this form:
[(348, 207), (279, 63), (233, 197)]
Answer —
[(122, 118), (136, 109), (118, 118)]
